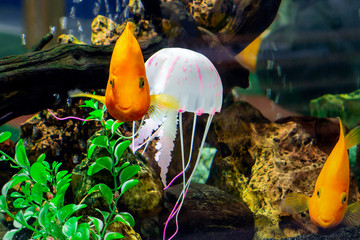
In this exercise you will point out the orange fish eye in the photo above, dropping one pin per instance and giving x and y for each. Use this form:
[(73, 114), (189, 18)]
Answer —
[(141, 82), (343, 198), (318, 193), (112, 82)]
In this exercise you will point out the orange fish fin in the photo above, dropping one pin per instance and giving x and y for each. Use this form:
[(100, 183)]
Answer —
[(295, 203), (353, 138), (160, 104), (352, 215), (79, 93)]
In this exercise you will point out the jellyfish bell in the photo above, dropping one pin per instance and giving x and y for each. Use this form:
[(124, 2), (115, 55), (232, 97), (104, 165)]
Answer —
[(187, 75), (194, 81)]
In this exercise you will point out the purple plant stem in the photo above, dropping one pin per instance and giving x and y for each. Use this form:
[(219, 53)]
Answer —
[(175, 209), (67, 118), (173, 180)]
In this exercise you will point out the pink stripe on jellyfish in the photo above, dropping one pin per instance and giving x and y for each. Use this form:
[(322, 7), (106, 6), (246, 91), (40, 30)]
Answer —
[(200, 77), (151, 60), (192, 97), (171, 68)]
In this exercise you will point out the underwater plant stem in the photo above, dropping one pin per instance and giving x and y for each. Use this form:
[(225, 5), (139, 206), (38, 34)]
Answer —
[(13, 160), (134, 134), (23, 223)]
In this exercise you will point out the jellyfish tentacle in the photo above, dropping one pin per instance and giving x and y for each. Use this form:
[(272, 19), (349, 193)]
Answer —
[(182, 150), (187, 185)]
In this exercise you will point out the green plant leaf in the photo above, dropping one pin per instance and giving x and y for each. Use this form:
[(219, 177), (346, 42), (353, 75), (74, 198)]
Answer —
[(66, 211), (126, 218), (94, 235), (43, 221), (20, 203), (16, 195), (19, 219), (4, 136), (60, 175), (37, 193), (101, 141), (20, 155), (94, 168), (41, 158), (84, 229), (128, 173), (104, 214), (26, 189), (120, 148), (113, 235), (104, 190), (128, 184), (70, 226), (31, 211), (39, 173), (98, 114), (56, 169), (109, 123), (105, 162), (115, 126), (58, 200), (91, 150), (14, 181), (97, 223), (10, 234), (3, 204)]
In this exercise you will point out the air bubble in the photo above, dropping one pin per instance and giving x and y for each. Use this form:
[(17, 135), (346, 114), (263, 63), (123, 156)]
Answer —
[(96, 9), (23, 39), (63, 22), (72, 12)]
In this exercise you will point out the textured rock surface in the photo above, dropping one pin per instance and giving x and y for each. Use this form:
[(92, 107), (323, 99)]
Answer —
[(209, 213), (62, 141), (105, 31), (211, 14), (264, 162)]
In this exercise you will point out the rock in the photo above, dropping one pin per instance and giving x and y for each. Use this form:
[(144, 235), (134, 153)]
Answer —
[(211, 14), (105, 31), (347, 233), (45, 134), (324, 130), (209, 213), (67, 38), (345, 106), (263, 163)]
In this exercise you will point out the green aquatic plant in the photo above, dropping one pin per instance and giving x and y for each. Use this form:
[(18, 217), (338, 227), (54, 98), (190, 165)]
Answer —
[(38, 203)]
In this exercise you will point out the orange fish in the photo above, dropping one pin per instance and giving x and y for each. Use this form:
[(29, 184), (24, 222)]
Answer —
[(248, 57), (328, 206), (127, 97)]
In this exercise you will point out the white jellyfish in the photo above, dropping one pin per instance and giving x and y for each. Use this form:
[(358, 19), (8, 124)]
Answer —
[(192, 79)]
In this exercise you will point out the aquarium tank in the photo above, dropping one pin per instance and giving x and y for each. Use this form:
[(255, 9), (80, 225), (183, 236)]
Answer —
[(179, 119)]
